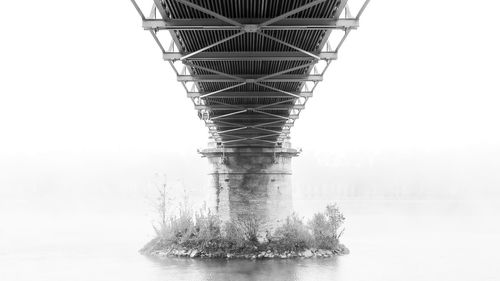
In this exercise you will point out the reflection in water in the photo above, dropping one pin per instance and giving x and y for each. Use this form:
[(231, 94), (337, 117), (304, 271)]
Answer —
[(389, 240), (238, 269)]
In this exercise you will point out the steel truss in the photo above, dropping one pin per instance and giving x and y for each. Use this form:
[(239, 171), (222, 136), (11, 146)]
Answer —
[(255, 123)]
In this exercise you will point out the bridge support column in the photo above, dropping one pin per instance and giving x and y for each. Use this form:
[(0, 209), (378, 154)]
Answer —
[(252, 182)]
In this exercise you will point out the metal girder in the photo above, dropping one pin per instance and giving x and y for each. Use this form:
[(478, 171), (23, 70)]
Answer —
[(278, 90), (261, 137), (221, 90), (273, 124), (228, 114), (249, 78), (243, 132), (242, 116), (276, 107), (249, 56), (209, 12), (292, 12), (213, 45), (249, 139), (250, 25), (242, 119), (229, 130), (252, 128), (249, 95), (288, 44)]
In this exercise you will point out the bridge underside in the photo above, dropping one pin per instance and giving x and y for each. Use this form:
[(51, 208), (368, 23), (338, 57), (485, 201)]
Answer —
[(250, 66)]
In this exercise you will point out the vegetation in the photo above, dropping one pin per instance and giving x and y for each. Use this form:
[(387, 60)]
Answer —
[(325, 226), (293, 235), (205, 234)]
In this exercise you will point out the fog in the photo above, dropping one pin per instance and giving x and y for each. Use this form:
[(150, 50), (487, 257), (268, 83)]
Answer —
[(92, 120), (88, 107)]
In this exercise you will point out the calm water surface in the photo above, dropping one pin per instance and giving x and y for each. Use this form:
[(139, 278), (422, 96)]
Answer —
[(389, 240)]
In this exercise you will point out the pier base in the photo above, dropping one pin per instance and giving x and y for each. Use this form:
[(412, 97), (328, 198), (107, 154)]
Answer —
[(251, 182)]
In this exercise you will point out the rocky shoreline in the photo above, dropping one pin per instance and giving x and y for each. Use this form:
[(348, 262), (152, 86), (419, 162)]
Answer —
[(268, 254)]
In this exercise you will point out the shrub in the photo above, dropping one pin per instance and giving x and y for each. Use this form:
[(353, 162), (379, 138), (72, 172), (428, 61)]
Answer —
[(208, 227), (335, 218), (293, 235), (234, 234), (249, 227), (181, 228), (325, 227), (207, 230)]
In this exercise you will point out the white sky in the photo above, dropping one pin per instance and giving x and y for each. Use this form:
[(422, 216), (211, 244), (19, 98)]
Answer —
[(83, 86)]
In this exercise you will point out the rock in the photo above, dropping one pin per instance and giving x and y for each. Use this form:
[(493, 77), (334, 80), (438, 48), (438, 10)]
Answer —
[(194, 253), (262, 240), (283, 256), (343, 249), (269, 255), (261, 255), (328, 252), (307, 253)]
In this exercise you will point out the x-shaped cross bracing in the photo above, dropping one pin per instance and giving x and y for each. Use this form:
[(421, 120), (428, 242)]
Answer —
[(220, 22)]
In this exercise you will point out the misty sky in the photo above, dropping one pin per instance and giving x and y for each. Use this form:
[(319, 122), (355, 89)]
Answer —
[(86, 101)]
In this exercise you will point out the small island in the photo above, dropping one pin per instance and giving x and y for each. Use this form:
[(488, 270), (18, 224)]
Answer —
[(205, 235)]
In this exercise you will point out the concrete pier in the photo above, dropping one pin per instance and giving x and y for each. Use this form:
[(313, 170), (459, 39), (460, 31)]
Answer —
[(252, 182)]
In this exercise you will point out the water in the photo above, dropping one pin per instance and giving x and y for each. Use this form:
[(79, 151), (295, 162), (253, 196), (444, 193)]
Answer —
[(389, 240)]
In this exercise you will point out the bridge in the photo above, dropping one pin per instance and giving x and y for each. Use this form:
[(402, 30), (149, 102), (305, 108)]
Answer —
[(249, 67)]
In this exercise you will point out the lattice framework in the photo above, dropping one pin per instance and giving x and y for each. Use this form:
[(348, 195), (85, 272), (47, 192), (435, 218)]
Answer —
[(249, 66)]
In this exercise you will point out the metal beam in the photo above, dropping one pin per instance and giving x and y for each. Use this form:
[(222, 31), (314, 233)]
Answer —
[(360, 12), (274, 124), (262, 107), (245, 132), (248, 95), (249, 78), (267, 77), (288, 45), (292, 12), (161, 9), (274, 115), (240, 115), (249, 56), (251, 141), (213, 45), (209, 12), (141, 14), (278, 90), (286, 24), (255, 118), (204, 95), (228, 115)]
